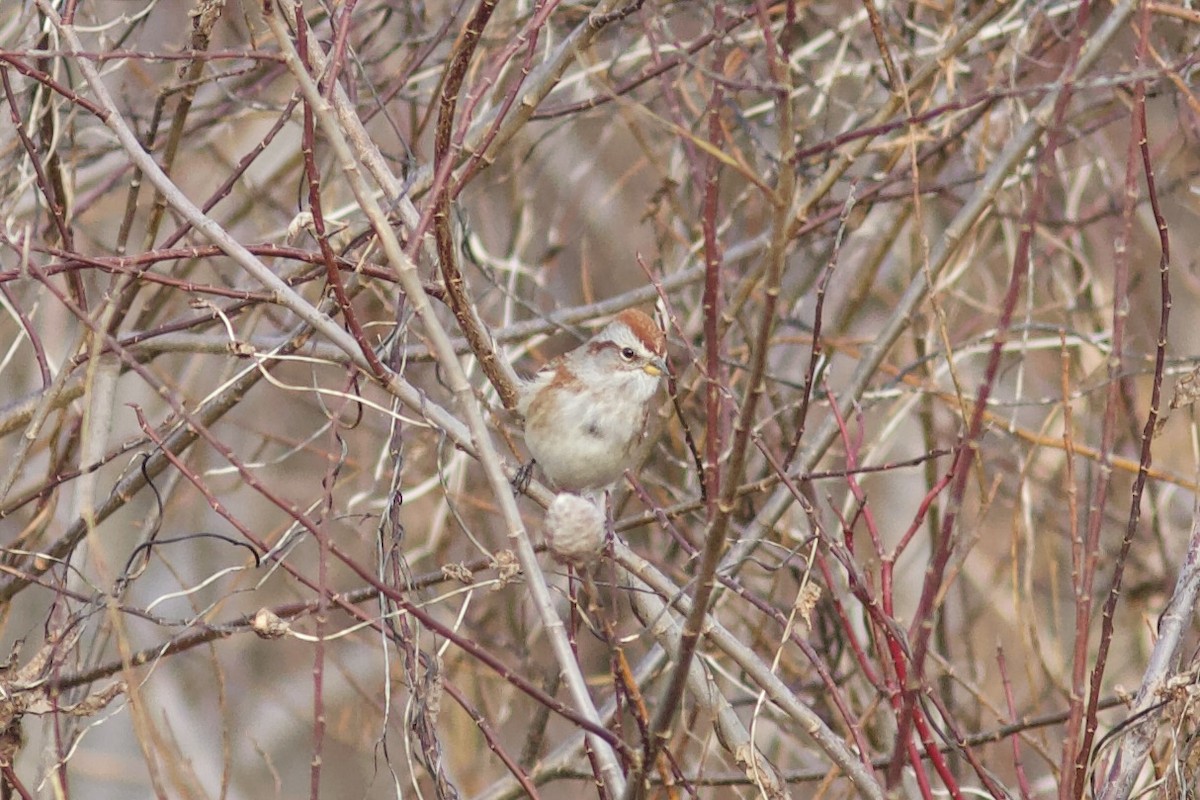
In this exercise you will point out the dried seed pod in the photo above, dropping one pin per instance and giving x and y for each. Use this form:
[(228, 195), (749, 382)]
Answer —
[(574, 529)]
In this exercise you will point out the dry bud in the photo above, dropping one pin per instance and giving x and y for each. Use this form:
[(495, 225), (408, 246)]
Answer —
[(268, 625)]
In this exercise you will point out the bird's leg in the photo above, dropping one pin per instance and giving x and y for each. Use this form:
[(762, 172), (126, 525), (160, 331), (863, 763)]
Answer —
[(520, 481)]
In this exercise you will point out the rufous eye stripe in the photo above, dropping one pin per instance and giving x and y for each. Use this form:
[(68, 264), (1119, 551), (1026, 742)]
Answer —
[(645, 329)]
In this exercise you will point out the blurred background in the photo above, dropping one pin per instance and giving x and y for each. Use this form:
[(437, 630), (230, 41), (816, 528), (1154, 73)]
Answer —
[(932, 372)]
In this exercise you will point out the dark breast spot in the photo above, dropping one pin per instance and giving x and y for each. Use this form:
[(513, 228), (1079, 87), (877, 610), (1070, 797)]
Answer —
[(593, 430)]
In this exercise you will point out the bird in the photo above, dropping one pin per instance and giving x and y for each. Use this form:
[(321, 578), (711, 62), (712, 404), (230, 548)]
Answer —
[(587, 412)]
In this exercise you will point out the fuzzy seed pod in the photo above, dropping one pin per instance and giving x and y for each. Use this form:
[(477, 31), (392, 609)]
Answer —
[(574, 529)]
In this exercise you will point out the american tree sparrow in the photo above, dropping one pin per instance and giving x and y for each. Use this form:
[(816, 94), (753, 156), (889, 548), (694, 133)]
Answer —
[(587, 412)]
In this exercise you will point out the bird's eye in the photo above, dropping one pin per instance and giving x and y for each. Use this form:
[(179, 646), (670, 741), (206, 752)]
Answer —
[(628, 354)]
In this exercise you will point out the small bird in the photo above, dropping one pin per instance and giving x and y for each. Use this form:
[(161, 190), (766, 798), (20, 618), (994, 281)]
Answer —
[(587, 412)]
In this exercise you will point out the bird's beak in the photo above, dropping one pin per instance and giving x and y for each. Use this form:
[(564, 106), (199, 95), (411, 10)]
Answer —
[(655, 368)]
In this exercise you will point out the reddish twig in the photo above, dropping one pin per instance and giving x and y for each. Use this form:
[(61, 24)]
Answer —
[(1138, 145)]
